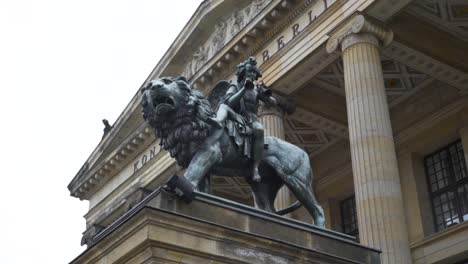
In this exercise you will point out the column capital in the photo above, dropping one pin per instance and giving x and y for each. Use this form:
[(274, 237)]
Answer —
[(283, 105), (359, 29)]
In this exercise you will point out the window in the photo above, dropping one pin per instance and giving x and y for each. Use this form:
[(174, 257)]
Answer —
[(448, 185), (349, 222)]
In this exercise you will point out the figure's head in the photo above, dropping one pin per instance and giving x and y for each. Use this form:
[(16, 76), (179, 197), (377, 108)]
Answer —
[(248, 70)]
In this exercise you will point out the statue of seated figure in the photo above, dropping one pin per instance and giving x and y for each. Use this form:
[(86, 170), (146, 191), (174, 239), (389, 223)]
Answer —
[(242, 98)]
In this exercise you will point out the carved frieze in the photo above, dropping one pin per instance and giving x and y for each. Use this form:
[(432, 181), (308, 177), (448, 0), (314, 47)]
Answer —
[(223, 32)]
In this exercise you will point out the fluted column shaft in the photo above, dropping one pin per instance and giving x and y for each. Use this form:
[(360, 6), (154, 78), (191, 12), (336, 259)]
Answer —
[(377, 186), (272, 119)]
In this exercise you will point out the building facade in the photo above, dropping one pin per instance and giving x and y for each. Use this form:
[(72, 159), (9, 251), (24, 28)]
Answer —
[(380, 89)]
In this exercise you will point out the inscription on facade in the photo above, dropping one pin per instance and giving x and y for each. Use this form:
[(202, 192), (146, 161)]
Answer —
[(145, 157), (300, 24)]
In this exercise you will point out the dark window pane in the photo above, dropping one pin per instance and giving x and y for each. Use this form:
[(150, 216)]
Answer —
[(448, 182), (463, 200), (349, 222)]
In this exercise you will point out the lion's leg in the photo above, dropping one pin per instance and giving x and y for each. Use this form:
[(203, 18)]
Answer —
[(264, 195), (202, 162), (305, 195), (298, 180), (205, 184)]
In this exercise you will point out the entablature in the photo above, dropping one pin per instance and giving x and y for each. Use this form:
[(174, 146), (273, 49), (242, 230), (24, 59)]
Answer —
[(89, 180)]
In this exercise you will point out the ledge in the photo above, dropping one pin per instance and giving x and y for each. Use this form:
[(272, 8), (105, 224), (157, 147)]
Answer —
[(221, 225), (88, 180), (448, 246)]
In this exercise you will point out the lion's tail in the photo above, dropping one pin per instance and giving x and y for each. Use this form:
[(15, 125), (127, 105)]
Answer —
[(290, 208)]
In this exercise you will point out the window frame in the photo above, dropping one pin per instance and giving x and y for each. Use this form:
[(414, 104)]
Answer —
[(351, 198), (452, 185)]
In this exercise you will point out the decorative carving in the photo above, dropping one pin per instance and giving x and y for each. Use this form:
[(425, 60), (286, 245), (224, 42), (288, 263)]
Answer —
[(256, 7), (237, 22), (219, 37), (223, 32), (359, 29)]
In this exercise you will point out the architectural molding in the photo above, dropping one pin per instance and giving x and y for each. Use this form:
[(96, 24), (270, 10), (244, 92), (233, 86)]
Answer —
[(430, 121), (358, 25), (223, 33), (255, 37), (327, 86), (446, 15), (163, 167), (310, 40), (384, 10), (237, 47), (310, 67), (321, 122), (89, 180), (428, 65), (330, 178)]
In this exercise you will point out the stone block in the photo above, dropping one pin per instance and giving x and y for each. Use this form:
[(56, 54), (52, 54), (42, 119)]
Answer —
[(164, 229)]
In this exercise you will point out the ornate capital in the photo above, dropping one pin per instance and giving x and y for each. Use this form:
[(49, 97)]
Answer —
[(359, 29)]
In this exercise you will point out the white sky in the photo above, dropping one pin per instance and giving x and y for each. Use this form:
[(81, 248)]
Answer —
[(64, 66)]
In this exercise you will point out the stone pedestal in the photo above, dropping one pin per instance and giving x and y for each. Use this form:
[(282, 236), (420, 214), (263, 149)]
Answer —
[(272, 119), (163, 229), (375, 170)]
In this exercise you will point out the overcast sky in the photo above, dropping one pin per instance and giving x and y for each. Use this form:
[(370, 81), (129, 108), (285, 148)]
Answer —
[(64, 66)]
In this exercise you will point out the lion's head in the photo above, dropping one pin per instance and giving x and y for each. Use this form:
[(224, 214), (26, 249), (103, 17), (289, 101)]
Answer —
[(177, 112)]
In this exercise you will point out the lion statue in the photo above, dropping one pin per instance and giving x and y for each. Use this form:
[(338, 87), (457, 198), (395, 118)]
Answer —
[(177, 113)]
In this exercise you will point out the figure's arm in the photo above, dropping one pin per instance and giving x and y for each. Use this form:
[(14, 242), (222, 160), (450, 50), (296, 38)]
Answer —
[(266, 95), (234, 100)]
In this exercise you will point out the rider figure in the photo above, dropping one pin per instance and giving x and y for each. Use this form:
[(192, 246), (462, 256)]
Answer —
[(243, 98)]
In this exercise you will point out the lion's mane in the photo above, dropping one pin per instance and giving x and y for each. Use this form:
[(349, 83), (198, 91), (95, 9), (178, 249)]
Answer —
[(183, 133)]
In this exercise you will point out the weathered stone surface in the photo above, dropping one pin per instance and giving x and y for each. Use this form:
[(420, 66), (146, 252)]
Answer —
[(163, 229)]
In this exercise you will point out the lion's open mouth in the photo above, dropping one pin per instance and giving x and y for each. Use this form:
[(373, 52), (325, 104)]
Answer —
[(163, 104)]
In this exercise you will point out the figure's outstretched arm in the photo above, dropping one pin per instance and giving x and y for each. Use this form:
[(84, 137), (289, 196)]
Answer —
[(234, 100), (266, 95)]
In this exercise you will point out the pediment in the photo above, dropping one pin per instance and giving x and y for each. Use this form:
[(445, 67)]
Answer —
[(214, 24)]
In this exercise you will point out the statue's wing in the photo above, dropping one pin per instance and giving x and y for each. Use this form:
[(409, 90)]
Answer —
[(218, 93)]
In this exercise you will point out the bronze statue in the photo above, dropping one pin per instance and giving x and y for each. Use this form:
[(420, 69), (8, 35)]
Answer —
[(188, 128), (242, 98)]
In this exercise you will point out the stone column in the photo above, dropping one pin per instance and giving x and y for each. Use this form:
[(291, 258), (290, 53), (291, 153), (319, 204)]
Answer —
[(375, 171), (272, 118)]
